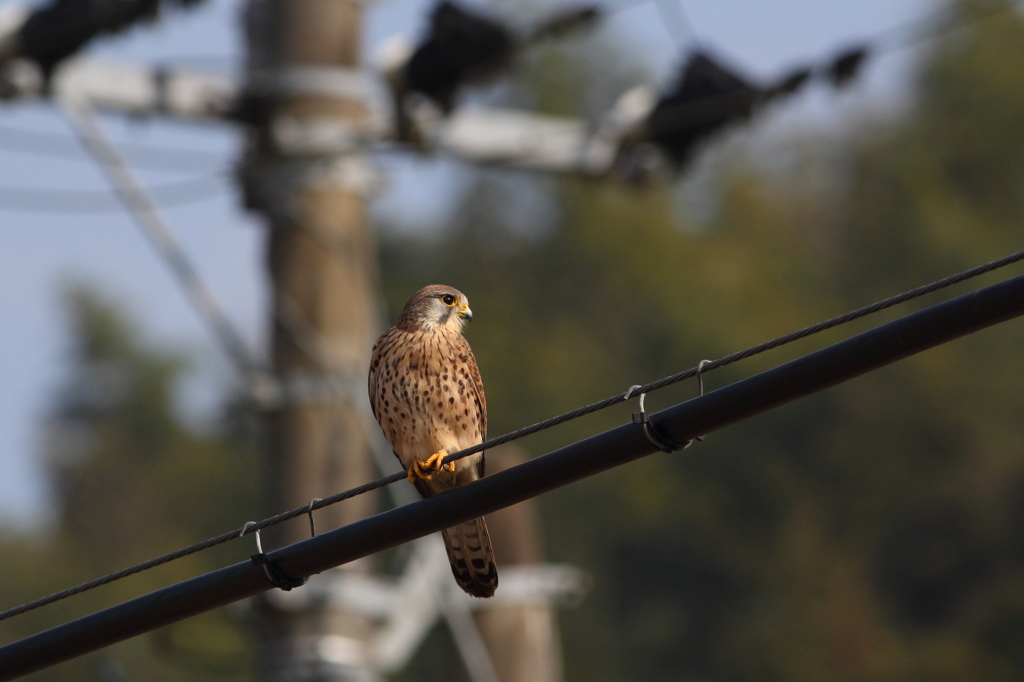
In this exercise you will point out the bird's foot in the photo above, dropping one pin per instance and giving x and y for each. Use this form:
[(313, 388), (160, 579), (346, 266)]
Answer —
[(427, 468)]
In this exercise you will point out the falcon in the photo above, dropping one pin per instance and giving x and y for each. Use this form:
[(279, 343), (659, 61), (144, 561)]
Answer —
[(426, 394)]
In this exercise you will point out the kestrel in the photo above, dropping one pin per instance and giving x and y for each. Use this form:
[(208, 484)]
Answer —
[(427, 396)]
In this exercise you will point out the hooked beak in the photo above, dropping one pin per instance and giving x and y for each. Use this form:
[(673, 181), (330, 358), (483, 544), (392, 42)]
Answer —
[(465, 313)]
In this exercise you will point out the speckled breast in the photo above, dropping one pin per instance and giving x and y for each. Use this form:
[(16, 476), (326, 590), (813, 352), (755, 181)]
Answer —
[(425, 397)]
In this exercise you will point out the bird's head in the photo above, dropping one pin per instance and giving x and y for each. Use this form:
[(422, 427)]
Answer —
[(435, 307)]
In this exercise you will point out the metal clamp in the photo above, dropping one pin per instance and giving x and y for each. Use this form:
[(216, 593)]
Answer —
[(275, 576), (700, 384), (656, 437), (309, 511)]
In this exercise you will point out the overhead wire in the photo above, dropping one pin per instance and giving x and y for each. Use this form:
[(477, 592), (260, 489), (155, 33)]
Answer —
[(153, 225), (699, 116), (98, 202), (714, 109), (799, 378), (673, 15), (62, 146), (253, 527), (676, 21), (687, 115), (890, 40), (936, 24), (899, 35), (58, 145), (51, 33), (624, 6)]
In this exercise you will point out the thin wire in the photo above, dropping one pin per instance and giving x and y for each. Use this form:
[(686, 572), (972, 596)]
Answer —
[(148, 218), (676, 21), (252, 527), (546, 424), (215, 60), (624, 6), (934, 25), (62, 146), (686, 115), (529, 430), (97, 202)]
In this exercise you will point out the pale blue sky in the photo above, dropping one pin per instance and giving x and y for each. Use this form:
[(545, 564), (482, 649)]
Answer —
[(39, 252)]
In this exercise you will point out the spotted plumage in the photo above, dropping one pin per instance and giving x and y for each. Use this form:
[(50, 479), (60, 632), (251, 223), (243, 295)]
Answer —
[(426, 394)]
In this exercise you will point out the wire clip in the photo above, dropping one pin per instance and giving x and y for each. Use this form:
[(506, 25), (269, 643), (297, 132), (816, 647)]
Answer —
[(656, 437), (700, 384), (309, 511), (275, 576)]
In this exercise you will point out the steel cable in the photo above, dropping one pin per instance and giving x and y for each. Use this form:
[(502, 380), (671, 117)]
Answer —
[(526, 431)]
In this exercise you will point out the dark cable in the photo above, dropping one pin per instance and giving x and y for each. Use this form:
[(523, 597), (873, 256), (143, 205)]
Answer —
[(251, 527), (742, 355), (540, 426), (804, 376)]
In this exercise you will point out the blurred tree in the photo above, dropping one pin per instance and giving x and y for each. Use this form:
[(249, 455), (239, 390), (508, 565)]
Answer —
[(872, 532), (130, 481)]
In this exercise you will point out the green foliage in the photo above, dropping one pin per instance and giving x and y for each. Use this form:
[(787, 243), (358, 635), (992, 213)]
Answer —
[(871, 532), (130, 482)]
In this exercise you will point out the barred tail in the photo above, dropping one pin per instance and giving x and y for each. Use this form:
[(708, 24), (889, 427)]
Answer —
[(471, 557)]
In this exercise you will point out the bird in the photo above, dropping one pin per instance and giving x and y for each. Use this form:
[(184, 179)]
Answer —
[(426, 393)]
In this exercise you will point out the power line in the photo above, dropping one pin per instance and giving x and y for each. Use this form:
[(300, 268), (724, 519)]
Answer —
[(148, 218), (798, 378), (934, 25), (520, 433), (625, 6), (676, 21), (37, 200), (230, 338), (840, 68), (54, 32), (552, 422), (215, 60), (129, 197), (61, 146)]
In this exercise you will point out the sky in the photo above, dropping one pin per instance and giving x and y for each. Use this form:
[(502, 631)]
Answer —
[(55, 244)]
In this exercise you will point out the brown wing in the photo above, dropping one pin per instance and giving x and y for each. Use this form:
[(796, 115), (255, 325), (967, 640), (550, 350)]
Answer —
[(476, 390), (381, 349)]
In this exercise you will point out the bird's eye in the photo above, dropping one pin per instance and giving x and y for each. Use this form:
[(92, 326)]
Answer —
[(448, 299)]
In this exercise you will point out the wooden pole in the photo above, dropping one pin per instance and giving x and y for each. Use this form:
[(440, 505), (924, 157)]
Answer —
[(523, 639), (322, 264)]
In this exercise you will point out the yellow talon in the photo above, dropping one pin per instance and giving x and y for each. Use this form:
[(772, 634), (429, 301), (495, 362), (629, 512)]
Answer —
[(425, 469), (436, 461)]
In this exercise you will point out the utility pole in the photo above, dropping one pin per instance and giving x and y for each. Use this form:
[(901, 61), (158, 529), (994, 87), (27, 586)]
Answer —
[(523, 638), (302, 71), (305, 109)]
